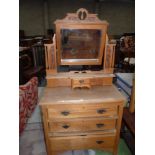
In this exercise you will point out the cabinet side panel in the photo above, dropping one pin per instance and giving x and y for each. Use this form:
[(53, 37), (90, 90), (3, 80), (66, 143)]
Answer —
[(118, 126), (45, 124)]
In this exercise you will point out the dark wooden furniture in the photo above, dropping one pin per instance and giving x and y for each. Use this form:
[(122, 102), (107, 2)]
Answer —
[(26, 42), (32, 63), (127, 49), (129, 122), (23, 64), (28, 70)]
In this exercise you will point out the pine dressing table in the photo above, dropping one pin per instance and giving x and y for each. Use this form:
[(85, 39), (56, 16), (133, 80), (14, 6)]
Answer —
[(81, 109)]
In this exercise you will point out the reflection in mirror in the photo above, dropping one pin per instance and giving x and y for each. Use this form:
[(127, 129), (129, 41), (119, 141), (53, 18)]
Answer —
[(80, 43)]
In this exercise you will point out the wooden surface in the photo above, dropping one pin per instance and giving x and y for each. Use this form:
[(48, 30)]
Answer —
[(91, 22), (129, 120), (50, 57), (61, 82), (109, 56), (91, 78), (80, 83), (82, 142), (55, 112), (67, 134), (80, 125), (45, 124), (82, 118), (118, 127), (77, 74), (67, 95)]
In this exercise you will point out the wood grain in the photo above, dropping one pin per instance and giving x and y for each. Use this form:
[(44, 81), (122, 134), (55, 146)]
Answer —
[(50, 57), (81, 118), (79, 111), (60, 82), (45, 124), (88, 124), (105, 95), (118, 126), (68, 134), (81, 83), (81, 142)]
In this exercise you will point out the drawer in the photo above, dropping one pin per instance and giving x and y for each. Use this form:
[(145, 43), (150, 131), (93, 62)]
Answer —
[(82, 142), (88, 124), (80, 110), (80, 83)]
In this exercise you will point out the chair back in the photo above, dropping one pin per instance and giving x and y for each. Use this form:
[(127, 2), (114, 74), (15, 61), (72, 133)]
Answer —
[(25, 61)]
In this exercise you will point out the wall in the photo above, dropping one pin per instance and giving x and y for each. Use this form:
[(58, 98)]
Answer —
[(31, 16), (36, 17), (120, 15), (59, 11)]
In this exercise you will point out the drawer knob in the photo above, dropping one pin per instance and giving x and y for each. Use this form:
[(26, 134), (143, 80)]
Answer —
[(101, 111), (65, 126), (99, 125), (99, 142), (65, 113), (81, 81)]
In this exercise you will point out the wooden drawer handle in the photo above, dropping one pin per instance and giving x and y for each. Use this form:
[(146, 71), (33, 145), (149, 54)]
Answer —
[(99, 142), (81, 81), (65, 126), (65, 113), (99, 125), (101, 111)]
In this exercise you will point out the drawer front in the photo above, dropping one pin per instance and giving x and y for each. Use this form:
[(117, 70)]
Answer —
[(81, 81), (83, 125), (78, 111), (82, 142)]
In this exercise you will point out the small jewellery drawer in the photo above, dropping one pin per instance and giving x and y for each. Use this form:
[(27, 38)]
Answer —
[(82, 142), (80, 110), (90, 124), (81, 82)]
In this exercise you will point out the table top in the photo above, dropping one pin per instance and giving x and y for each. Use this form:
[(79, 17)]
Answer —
[(72, 74), (67, 95)]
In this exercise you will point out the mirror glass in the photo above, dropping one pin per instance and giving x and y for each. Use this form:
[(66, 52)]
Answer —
[(80, 43)]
